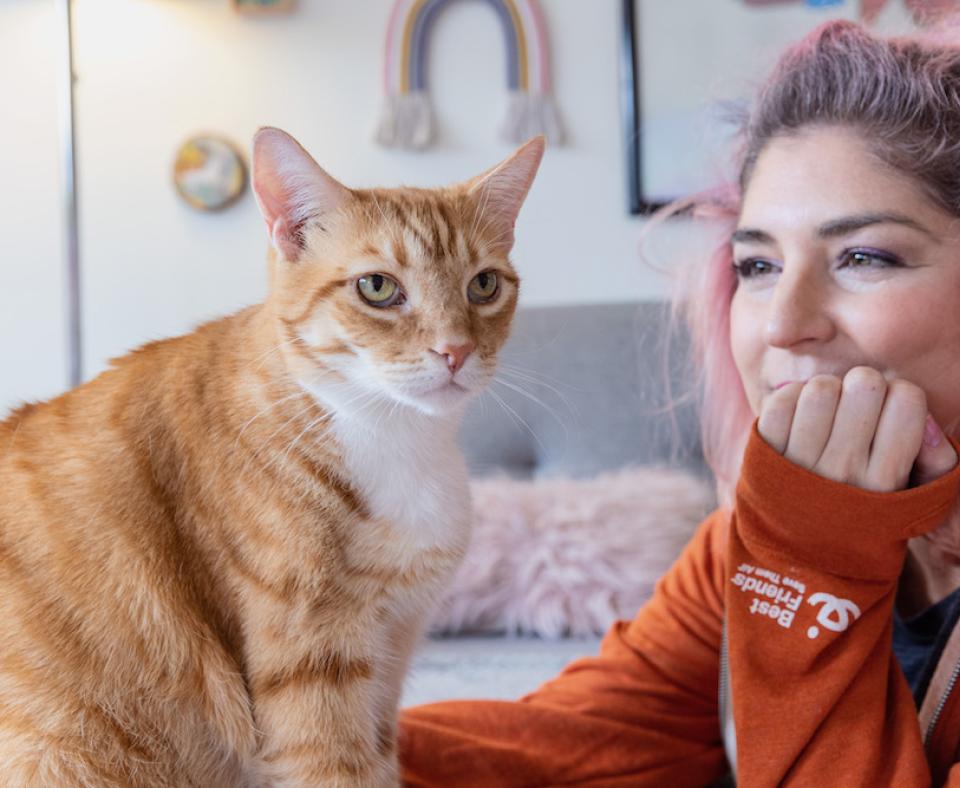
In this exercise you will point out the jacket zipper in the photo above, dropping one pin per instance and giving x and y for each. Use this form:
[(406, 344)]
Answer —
[(728, 732), (943, 702), (723, 676)]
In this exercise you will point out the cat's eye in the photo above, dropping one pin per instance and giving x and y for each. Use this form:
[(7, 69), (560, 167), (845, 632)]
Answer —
[(483, 288), (380, 290)]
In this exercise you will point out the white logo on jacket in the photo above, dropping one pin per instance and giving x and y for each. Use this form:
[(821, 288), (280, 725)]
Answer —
[(841, 608)]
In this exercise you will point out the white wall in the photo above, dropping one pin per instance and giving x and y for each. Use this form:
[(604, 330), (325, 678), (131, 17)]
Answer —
[(152, 72), (32, 327)]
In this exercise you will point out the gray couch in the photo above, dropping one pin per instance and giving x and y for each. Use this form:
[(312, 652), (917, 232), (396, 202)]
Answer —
[(601, 374)]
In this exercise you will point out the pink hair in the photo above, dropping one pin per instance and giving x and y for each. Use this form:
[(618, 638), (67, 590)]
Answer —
[(702, 302), (725, 415)]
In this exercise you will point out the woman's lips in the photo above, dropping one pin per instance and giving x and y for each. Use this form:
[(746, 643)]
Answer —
[(785, 383)]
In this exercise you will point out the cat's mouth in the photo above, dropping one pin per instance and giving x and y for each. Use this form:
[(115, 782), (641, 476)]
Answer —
[(451, 390), (450, 387)]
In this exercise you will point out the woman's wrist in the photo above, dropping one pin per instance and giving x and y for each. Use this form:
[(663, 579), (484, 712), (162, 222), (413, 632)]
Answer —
[(836, 527)]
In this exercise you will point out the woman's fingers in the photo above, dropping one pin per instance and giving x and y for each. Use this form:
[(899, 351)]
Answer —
[(898, 437), (937, 455), (776, 415), (863, 430), (813, 420), (846, 456)]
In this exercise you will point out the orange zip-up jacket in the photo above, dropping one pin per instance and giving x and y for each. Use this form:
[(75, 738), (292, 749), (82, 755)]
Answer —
[(770, 639)]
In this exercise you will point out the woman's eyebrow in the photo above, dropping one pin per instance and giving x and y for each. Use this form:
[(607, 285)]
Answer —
[(835, 227), (749, 235), (849, 224)]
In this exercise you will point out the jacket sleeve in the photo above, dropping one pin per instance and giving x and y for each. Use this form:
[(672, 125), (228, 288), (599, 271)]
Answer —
[(642, 713), (818, 697)]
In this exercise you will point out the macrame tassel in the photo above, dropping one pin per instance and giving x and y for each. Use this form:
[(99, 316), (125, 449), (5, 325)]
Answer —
[(406, 122), (530, 114)]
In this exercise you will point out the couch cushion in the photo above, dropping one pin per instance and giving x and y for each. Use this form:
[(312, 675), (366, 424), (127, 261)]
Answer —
[(604, 378), (557, 557)]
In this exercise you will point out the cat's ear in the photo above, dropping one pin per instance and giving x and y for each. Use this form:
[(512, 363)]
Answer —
[(291, 189), (501, 190)]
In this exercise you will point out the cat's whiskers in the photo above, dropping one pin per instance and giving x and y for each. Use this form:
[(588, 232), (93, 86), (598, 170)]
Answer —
[(533, 398), (516, 416), (321, 419), (539, 376), (347, 387), (483, 407), (262, 357), (384, 407), (283, 458), (395, 407), (265, 410), (528, 377), (298, 414), (268, 441)]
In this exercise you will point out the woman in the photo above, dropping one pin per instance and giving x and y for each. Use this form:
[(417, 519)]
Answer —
[(798, 639)]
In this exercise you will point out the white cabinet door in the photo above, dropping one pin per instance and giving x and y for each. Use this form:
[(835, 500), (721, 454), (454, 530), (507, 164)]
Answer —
[(33, 362)]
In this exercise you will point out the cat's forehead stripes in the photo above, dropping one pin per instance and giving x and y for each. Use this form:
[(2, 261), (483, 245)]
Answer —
[(430, 223), (425, 236)]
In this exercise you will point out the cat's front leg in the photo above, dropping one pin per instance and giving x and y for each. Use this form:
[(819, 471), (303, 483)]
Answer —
[(317, 713), (404, 633)]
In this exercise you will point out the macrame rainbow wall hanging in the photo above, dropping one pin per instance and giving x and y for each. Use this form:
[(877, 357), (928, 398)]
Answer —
[(407, 120)]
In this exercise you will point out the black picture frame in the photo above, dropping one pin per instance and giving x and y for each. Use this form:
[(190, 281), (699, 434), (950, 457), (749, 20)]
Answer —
[(776, 26), (630, 110)]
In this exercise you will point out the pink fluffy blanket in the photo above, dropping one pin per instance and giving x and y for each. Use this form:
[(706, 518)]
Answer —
[(563, 557)]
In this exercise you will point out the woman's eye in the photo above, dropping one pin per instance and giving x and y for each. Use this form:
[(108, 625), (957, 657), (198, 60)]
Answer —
[(868, 258), (483, 288), (753, 267), (379, 290)]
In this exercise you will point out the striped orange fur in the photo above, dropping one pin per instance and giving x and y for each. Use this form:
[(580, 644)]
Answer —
[(217, 557)]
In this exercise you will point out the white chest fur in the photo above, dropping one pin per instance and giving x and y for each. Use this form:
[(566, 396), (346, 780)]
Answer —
[(412, 476)]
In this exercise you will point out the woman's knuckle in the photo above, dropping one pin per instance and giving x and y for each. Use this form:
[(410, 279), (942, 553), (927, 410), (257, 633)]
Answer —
[(823, 387), (865, 379), (908, 395)]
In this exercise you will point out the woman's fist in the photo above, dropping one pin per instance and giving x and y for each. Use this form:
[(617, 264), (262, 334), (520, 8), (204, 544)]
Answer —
[(863, 430)]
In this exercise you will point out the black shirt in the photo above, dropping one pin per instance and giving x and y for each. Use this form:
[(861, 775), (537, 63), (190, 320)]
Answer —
[(919, 641)]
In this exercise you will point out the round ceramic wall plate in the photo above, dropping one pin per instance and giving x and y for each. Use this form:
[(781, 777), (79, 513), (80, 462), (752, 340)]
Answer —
[(209, 172)]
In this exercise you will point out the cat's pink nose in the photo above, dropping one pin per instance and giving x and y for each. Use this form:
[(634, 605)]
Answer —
[(455, 355)]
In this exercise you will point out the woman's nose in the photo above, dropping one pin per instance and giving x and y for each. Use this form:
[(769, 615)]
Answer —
[(799, 310)]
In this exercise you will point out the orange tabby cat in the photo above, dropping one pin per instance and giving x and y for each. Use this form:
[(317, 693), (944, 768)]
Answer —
[(216, 557)]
